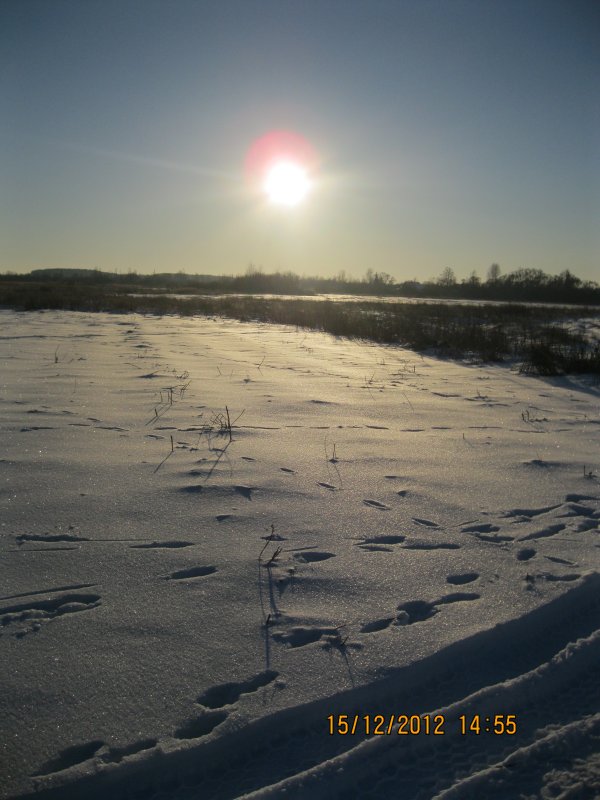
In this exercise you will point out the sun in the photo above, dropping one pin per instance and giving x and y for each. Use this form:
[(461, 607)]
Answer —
[(286, 183), (282, 167)]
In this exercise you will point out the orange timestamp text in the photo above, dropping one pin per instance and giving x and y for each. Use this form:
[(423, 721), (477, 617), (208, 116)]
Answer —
[(419, 724)]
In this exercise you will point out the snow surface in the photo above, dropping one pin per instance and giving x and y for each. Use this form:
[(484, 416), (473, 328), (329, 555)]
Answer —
[(384, 534)]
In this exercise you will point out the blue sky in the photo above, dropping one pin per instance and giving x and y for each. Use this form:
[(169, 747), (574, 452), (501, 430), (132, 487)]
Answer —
[(448, 133)]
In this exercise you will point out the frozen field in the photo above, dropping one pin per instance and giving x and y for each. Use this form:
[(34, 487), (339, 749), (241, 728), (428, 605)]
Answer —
[(186, 616)]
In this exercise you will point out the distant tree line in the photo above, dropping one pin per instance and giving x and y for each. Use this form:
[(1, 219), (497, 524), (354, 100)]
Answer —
[(529, 285)]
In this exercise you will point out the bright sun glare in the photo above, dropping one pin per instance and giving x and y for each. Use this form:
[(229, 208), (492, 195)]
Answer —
[(286, 183)]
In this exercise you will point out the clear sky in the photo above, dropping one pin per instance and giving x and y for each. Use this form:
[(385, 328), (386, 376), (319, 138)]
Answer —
[(446, 132)]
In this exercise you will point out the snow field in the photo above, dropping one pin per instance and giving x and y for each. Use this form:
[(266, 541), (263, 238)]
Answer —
[(382, 533)]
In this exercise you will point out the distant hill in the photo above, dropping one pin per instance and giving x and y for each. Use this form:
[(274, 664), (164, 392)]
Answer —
[(54, 273), (98, 276)]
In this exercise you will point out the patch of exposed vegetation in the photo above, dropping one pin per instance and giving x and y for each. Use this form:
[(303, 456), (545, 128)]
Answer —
[(539, 336), (522, 285)]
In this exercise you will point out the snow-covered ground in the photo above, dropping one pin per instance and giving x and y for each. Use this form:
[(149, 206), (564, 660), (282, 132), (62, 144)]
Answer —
[(185, 616)]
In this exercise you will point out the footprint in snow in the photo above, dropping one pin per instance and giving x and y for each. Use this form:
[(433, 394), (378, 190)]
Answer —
[(413, 611), (426, 522), (525, 554), (558, 560), (301, 636), (530, 512), (461, 578), (380, 542), (51, 537), (225, 694), (428, 546), (376, 548), (70, 757), (308, 556), (377, 625), (159, 545), (115, 755), (33, 612), (201, 726), (485, 527), (551, 530), (192, 572), (376, 504), (420, 610), (36, 428)]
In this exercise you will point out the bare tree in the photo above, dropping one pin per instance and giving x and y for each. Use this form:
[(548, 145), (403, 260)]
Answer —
[(447, 278), (493, 273)]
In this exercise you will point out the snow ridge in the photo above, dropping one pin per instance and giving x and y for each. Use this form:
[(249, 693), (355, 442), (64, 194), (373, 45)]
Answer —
[(556, 702)]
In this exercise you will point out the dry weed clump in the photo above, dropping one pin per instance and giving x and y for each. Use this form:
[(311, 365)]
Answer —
[(534, 334)]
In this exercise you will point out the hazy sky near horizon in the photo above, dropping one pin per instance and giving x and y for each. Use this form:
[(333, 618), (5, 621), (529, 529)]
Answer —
[(447, 133)]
